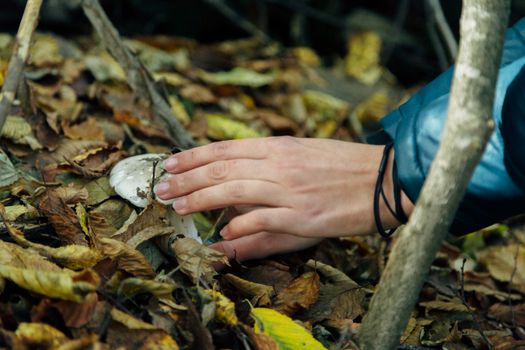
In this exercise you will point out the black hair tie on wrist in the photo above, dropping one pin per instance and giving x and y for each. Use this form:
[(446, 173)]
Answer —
[(397, 212)]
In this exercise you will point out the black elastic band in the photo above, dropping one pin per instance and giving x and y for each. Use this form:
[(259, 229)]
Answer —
[(379, 190), (397, 211)]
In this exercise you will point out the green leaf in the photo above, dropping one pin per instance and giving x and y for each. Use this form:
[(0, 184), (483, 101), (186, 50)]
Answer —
[(284, 331), (238, 76), (8, 173)]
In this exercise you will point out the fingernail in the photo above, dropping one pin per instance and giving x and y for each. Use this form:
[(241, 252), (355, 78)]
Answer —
[(171, 163), (225, 233), (162, 188), (180, 204)]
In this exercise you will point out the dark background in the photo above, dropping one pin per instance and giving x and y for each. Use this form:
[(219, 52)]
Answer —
[(325, 24)]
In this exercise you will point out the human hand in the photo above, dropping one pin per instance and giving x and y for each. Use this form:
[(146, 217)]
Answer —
[(302, 187)]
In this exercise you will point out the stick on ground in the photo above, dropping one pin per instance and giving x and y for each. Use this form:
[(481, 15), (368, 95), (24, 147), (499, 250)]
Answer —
[(139, 78), (19, 57)]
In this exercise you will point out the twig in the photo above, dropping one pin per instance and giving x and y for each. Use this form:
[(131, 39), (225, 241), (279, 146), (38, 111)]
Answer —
[(139, 78), (444, 28), (464, 302), (311, 12), (514, 270), (19, 57), (237, 19)]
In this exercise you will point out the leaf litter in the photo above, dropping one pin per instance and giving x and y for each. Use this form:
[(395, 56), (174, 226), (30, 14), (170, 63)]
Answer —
[(83, 268)]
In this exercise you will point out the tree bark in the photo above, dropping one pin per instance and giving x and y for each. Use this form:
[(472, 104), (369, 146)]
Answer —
[(19, 57), (467, 130)]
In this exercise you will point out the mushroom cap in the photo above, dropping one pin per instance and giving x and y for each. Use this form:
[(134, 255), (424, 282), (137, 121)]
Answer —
[(132, 178)]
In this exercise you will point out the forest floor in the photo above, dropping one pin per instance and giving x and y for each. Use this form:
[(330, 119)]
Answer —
[(80, 267)]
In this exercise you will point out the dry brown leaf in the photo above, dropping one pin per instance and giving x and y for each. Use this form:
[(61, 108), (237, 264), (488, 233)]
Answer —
[(133, 285), (454, 305), (87, 130), (149, 233), (62, 217), (300, 294), (505, 263), (271, 273), (261, 294), (40, 335), (260, 341), (77, 314), (128, 259), (198, 94), (197, 260), (510, 314), (153, 215), (109, 217)]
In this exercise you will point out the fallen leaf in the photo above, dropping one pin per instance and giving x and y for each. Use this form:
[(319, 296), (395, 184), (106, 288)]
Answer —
[(8, 173), (261, 294), (98, 191), (505, 263), (260, 341), (87, 130), (77, 314), (197, 260), (128, 259), (62, 217), (300, 294), (224, 308), (40, 335), (129, 321), (364, 57), (198, 94), (237, 76), (221, 127), (284, 331), (133, 285), (75, 257), (511, 314)]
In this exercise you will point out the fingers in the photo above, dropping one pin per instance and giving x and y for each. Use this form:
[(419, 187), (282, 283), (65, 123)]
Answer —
[(263, 244), (237, 192), (260, 220), (211, 174), (224, 150)]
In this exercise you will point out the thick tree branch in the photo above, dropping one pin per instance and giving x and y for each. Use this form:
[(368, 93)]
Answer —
[(467, 130), (139, 78), (19, 57)]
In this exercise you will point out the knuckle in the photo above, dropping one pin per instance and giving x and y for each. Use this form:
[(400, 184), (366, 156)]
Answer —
[(261, 222), (219, 149), (235, 189), (218, 170)]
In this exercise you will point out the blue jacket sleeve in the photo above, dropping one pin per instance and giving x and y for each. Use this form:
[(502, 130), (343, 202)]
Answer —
[(497, 188)]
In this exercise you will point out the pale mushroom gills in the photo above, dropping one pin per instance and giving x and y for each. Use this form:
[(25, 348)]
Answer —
[(132, 179)]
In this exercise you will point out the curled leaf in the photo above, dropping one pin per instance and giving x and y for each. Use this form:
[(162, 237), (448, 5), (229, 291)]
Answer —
[(197, 260), (261, 294), (128, 259), (39, 335), (300, 294), (224, 308)]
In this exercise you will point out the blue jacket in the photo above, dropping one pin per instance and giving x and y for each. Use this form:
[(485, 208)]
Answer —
[(497, 188)]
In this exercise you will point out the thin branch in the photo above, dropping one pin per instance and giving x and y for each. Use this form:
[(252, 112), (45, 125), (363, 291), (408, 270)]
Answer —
[(139, 78), (19, 57), (444, 28), (238, 20)]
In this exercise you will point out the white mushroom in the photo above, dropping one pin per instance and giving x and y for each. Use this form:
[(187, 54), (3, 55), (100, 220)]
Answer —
[(132, 179)]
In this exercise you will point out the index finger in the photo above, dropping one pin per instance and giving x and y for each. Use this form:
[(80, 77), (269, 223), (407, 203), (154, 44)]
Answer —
[(223, 150)]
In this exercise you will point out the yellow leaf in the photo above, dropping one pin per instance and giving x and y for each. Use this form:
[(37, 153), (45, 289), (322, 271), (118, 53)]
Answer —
[(220, 127), (61, 285), (129, 321), (224, 308), (261, 294), (364, 56), (284, 331), (178, 109), (133, 285), (307, 56), (16, 128), (237, 76), (40, 335), (325, 107)]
